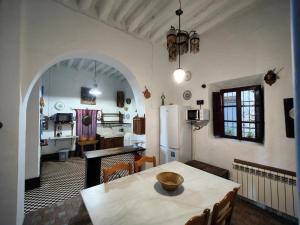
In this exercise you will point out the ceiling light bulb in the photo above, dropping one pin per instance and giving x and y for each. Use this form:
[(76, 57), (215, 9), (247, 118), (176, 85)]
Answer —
[(179, 75), (95, 91)]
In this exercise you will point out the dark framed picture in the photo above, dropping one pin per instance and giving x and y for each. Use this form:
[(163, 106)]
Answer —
[(86, 98), (289, 117)]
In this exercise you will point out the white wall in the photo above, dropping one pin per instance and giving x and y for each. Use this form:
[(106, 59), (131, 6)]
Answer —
[(32, 155), (62, 84), (11, 174), (249, 44)]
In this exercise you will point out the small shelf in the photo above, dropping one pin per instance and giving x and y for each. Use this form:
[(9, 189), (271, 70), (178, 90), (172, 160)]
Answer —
[(119, 118), (113, 122)]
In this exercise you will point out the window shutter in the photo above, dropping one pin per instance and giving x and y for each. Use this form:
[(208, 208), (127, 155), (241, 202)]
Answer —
[(259, 113), (218, 123)]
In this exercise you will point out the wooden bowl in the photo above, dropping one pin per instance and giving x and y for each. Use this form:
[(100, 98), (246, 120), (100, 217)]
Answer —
[(170, 181)]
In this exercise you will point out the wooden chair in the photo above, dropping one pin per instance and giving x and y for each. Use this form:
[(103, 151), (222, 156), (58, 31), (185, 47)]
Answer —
[(107, 172), (139, 163), (222, 211), (199, 220)]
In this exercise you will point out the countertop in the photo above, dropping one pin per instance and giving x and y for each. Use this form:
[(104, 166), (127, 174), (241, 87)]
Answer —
[(112, 151), (112, 135)]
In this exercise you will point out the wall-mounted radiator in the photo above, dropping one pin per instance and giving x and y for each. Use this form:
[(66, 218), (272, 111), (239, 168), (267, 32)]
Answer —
[(269, 186)]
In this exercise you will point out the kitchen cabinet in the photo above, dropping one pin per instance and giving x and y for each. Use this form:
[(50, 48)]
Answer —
[(113, 142)]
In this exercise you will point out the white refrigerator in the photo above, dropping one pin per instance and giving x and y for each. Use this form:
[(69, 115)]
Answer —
[(175, 134)]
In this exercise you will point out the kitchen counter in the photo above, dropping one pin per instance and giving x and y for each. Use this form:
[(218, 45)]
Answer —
[(94, 158), (112, 151)]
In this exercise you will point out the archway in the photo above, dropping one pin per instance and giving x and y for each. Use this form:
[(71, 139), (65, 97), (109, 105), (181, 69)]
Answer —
[(97, 57)]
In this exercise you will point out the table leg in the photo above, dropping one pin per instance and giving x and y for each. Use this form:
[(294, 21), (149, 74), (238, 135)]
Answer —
[(82, 150)]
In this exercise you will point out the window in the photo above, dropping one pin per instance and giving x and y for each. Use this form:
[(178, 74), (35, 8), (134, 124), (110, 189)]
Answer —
[(238, 113)]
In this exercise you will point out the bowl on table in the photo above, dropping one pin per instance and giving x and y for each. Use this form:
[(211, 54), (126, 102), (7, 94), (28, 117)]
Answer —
[(170, 181)]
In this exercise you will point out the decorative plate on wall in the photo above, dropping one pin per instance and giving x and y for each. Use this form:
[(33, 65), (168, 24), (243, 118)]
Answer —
[(128, 100), (187, 95), (59, 106), (127, 116)]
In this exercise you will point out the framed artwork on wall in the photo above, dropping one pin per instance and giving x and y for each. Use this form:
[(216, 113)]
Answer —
[(289, 117), (86, 98)]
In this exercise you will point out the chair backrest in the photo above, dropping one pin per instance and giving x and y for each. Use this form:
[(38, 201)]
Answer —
[(139, 163), (199, 220), (222, 211), (116, 167)]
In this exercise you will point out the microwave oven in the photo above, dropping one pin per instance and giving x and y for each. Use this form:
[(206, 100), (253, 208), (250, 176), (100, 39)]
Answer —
[(192, 114), (63, 118), (197, 114)]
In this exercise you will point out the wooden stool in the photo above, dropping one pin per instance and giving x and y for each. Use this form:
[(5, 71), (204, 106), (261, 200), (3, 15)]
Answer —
[(84, 143)]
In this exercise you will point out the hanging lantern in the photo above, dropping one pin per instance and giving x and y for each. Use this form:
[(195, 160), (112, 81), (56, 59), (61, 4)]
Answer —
[(182, 42), (178, 42), (194, 42), (171, 44)]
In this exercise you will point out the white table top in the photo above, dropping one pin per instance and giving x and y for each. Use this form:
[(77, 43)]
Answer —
[(139, 200)]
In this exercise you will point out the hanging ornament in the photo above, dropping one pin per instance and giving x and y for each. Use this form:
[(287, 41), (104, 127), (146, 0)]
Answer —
[(147, 93)]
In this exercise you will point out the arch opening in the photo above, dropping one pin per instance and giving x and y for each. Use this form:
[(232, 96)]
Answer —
[(48, 70)]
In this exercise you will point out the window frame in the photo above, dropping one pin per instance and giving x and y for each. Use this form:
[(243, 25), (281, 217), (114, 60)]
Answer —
[(258, 121)]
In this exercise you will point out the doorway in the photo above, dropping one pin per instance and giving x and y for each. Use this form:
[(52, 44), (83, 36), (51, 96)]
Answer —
[(59, 91)]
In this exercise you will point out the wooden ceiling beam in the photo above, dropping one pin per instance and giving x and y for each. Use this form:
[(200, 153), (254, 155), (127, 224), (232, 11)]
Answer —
[(85, 4), (70, 63), (80, 64), (106, 69), (125, 9), (91, 65), (100, 66), (105, 9), (232, 10), (109, 72), (162, 15), (142, 15)]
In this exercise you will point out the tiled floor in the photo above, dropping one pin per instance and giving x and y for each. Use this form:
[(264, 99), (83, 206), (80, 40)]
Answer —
[(72, 211), (59, 181)]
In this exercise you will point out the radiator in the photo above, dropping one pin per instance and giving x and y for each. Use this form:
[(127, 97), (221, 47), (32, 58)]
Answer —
[(271, 187)]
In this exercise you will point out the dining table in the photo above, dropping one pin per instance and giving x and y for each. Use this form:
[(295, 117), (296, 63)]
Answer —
[(139, 199)]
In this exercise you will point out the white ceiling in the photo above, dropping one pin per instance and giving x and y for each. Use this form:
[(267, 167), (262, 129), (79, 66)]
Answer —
[(88, 65), (151, 19)]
